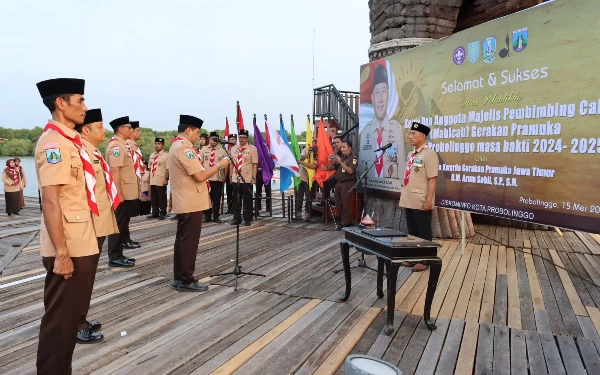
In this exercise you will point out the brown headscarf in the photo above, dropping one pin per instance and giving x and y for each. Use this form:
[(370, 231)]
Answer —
[(19, 168), (10, 172)]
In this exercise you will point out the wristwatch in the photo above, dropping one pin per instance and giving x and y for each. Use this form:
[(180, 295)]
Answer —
[(254, 177)]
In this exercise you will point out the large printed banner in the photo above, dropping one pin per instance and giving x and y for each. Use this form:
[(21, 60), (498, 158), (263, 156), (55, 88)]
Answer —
[(514, 108)]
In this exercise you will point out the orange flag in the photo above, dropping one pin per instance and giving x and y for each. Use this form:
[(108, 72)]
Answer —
[(325, 150)]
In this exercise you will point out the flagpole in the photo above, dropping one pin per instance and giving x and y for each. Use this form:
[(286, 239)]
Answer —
[(313, 56)]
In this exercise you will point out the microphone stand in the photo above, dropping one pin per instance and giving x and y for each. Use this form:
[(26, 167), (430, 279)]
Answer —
[(237, 270), (361, 260)]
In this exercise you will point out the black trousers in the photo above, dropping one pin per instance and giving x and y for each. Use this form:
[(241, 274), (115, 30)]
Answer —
[(419, 223), (259, 189), (246, 201), (343, 197), (115, 241), (329, 185), (304, 195), (158, 197), (64, 302), (216, 191), (230, 197), (189, 226)]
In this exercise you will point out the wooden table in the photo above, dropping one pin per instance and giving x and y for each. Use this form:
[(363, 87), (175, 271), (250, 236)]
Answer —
[(391, 251)]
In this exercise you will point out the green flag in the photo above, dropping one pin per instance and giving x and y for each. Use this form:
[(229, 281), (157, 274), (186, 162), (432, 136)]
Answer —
[(295, 151)]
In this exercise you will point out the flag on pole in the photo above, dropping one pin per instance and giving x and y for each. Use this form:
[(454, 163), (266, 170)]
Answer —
[(264, 157), (311, 159), (239, 119), (285, 175), (226, 133), (280, 152), (295, 149), (325, 150)]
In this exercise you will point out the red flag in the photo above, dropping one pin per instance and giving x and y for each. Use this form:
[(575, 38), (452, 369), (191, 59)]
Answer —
[(239, 120), (324, 151), (226, 134)]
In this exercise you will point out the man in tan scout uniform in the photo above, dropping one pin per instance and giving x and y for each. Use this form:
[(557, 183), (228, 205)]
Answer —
[(92, 134), (68, 242), (121, 166), (138, 167), (190, 198), (159, 179), (418, 192), (245, 158), (345, 175), (211, 155)]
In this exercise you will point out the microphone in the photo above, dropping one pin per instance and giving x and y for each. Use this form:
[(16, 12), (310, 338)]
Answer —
[(224, 142), (384, 147)]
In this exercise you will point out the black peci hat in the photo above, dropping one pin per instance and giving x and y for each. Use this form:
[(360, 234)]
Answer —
[(92, 115), (204, 135), (61, 86), (244, 132), (417, 126), (119, 122), (159, 140), (380, 76), (214, 134), (134, 124), (192, 121)]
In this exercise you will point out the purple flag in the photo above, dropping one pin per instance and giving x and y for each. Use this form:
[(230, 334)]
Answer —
[(264, 158)]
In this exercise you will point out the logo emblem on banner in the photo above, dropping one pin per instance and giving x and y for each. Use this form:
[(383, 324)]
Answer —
[(459, 55), (489, 49), (473, 49), (520, 39)]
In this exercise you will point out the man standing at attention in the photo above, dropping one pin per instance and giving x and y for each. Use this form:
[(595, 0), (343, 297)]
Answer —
[(92, 134), (245, 157), (211, 155), (345, 175), (190, 199), (138, 166), (232, 139), (121, 165), (68, 243), (159, 179), (418, 193)]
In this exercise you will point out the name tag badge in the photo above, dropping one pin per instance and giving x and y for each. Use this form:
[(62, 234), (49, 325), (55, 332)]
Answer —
[(418, 163), (96, 161)]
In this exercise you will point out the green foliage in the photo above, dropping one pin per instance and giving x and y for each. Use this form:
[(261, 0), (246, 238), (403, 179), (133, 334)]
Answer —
[(17, 147)]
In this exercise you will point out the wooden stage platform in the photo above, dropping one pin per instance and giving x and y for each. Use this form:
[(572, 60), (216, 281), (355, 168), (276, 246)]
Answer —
[(528, 303)]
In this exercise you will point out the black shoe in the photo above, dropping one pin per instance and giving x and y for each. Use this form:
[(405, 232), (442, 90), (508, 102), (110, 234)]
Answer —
[(120, 263), (234, 222), (131, 245), (206, 219), (247, 223), (130, 260), (135, 243), (192, 287), (152, 217), (85, 336), (94, 326), (161, 217), (175, 284), (217, 220)]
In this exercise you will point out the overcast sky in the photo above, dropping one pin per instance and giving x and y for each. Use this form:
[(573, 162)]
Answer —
[(153, 60)]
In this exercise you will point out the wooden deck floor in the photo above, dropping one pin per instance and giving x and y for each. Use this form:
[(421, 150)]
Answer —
[(528, 303)]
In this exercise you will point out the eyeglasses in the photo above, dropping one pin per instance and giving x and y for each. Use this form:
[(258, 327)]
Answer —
[(126, 127)]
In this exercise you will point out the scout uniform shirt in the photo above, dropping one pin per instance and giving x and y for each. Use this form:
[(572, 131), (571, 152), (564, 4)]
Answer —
[(161, 168), (57, 162), (218, 156), (187, 194), (424, 167), (303, 170), (117, 156), (376, 135), (105, 223), (248, 158), (341, 175)]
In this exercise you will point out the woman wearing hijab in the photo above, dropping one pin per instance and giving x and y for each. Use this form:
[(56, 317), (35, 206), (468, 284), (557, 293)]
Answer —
[(23, 180), (12, 188)]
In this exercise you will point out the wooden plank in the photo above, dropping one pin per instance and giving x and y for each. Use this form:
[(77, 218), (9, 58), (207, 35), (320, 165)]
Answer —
[(448, 268), (449, 356), (589, 331), (518, 352), (501, 301), (570, 355), (575, 268), (477, 291), (486, 314), (570, 290), (551, 354), (454, 289), (412, 354), (464, 296), (501, 362), (501, 265), (591, 247), (485, 349), (383, 341), (527, 244), (430, 356), (535, 353), (594, 315), (536, 291), (245, 355), (542, 322), (589, 355), (400, 341), (512, 279), (14, 252)]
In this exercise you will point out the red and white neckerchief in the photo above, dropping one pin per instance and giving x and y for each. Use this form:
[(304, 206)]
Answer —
[(211, 161), (111, 188), (140, 159), (88, 169), (409, 164), (155, 163), (137, 157), (238, 162), (199, 159), (15, 172)]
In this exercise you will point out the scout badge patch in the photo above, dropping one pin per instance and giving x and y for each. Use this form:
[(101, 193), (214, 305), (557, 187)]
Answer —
[(190, 155), (116, 152), (53, 155)]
